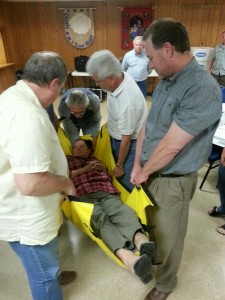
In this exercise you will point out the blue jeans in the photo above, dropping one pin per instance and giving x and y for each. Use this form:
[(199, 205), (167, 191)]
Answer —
[(221, 187), (41, 263), (143, 87), (128, 164)]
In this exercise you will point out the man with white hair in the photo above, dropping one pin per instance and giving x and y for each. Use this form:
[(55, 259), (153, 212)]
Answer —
[(79, 109), (136, 63), (126, 107)]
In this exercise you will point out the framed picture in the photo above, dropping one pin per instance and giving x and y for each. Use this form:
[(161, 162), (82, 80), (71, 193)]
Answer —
[(134, 23)]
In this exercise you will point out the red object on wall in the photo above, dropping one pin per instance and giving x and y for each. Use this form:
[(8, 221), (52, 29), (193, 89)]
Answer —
[(134, 22)]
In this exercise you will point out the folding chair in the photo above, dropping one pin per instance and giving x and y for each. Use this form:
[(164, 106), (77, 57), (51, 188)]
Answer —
[(212, 159)]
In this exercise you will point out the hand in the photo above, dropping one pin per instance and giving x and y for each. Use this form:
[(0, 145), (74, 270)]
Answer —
[(99, 166), (94, 165), (137, 176), (88, 167), (69, 189), (118, 172)]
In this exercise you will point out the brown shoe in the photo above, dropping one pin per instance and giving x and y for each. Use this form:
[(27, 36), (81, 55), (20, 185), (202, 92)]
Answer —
[(67, 277), (155, 294)]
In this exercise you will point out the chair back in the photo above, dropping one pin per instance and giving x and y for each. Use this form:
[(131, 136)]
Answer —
[(223, 93), (215, 153)]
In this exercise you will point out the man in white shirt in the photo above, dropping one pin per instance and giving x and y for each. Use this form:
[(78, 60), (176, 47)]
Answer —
[(34, 174), (126, 107)]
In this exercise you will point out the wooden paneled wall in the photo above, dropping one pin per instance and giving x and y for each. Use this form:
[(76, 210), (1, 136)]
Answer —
[(7, 76), (37, 26)]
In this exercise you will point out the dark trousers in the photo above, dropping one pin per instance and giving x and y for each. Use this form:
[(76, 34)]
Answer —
[(220, 79), (143, 87)]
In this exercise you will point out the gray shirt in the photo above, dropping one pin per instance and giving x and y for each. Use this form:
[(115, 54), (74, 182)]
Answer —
[(218, 56), (192, 99), (90, 122)]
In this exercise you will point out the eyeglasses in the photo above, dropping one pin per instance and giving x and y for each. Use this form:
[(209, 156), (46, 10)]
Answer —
[(78, 114)]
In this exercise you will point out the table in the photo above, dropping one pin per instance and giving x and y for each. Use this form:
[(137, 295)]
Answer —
[(75, 74), (152, 79), (96, 89), (85, 74), (219, 136), (153, 75)]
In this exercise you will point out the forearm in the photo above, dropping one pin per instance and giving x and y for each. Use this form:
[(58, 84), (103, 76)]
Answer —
[(161, 156), (43, 184), (77, 172), (138, 151), (173, 142), (94, 128), (223, 157), (124, 148), (94, 165), (71, 130)]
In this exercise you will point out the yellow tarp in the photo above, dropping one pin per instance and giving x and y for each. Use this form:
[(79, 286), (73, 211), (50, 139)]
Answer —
[(80, 213)]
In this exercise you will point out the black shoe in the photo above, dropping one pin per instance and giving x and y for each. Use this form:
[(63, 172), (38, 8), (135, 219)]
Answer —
[(142, 269), (149, 248), (67, 277), (155, 294), (215, 213)]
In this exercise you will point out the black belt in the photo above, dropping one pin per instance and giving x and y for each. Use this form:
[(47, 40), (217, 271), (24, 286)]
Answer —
[(170, 175), (140, 81)]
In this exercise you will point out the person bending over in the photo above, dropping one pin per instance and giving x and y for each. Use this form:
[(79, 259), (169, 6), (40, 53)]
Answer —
[(115, 223), (79, 109)]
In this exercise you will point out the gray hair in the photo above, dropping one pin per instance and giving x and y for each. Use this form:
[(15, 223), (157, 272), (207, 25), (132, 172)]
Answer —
[(77, 98), (104, 63), (43, 67), (137, 38)]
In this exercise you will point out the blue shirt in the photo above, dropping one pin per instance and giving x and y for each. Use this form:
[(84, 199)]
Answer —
[(136, 65)]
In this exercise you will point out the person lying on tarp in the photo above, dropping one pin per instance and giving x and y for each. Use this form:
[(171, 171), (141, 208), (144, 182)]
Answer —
[(79, 109), (115, 223)]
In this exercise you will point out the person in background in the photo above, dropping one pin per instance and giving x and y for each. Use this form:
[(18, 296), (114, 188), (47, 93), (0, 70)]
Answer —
[(126, 108), (136, 63), (170, 145), (216, 64), (113, 221), (34, 174), (220, 211), (79, 109)]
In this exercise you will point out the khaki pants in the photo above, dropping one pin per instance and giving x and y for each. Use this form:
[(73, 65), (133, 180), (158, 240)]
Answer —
[(171, 218)]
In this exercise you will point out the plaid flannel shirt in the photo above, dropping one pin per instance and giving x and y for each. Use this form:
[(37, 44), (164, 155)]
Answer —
[(91, 181)]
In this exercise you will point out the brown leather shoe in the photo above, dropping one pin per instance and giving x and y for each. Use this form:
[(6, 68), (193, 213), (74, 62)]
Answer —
[(155, 294), (67, 277)]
